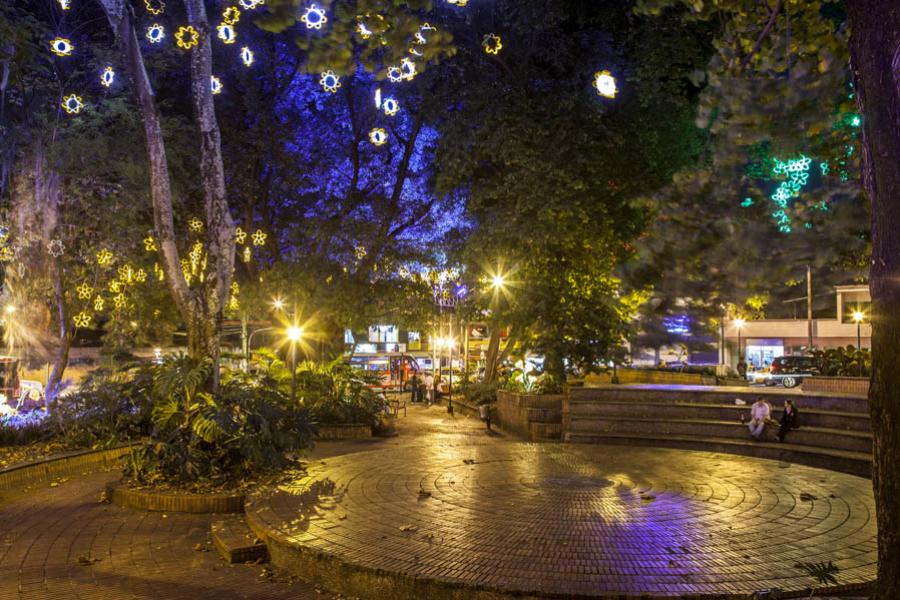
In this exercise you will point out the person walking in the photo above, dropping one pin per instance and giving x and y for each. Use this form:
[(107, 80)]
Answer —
[(429, 388), (760, 412)]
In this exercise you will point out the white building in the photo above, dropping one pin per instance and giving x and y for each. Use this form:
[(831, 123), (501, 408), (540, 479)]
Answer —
[(764, 339)]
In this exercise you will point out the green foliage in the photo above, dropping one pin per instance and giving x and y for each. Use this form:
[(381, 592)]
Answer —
[(844, 362), (479, 393), (248, 428), (824, 573)]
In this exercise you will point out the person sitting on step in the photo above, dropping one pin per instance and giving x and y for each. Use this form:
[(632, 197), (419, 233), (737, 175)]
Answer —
[(759, 414), (788, 420)]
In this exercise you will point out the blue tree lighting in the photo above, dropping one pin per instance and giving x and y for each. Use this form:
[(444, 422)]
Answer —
[(246, 56), (72, 104), (107, 77), (226, 33), (61, 47), (390, 107)]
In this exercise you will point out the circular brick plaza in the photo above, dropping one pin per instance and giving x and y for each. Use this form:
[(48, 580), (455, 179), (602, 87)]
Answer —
[(451, 511)]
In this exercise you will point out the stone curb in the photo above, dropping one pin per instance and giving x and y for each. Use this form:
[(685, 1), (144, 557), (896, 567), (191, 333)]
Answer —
[(14, 478), (337, 574), (154, 501)]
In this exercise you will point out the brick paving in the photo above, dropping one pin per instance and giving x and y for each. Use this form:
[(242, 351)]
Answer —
[(49, 532), (444, 501)]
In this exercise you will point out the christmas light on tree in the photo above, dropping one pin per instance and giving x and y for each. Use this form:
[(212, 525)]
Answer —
[(98, 303), (82, 319), (378, 136), (259, 238), (104, 257), (231, 15), (84, 291), (65, 4), (155, 7), (407, 69), (150, 244), (107, 77), (363, 31), (247, 254), (394, 74), (156, 33), (390, 107), (605, 84), (56, 248), (330, 82), (250, 4), (61, 46), (215, 85), (314, 17), (187, 37), (195, 225), (491, 43), (226, 33), (246, 56), (240, 236), (72, 104)]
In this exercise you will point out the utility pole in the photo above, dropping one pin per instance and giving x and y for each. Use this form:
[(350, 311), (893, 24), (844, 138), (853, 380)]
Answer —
[(809, 316)]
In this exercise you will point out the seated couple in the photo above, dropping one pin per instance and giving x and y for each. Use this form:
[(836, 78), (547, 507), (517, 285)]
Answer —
[(760, 414)]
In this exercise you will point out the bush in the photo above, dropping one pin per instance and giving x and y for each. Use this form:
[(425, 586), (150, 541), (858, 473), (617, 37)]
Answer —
[(844, 362), (24, 428), (247, 429), (479, 393)]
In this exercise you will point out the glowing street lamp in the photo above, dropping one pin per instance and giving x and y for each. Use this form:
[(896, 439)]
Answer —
[(498, 282), (859, 317), (278, 304), (294, 335)]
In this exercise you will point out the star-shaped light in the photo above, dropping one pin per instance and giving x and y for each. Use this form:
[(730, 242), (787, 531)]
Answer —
[(407, 69), (231, 15), (56, 248), (240, 236), (246, 56), (360, 252), (107, 77), (150, 244), (259, 238), (195, 224), (61, 46), (104, 257), (314, 17), (390, 107), (84, 291), (187, 37), (459, 3), (155, 7), (395, 74), (378, 136), (82, 319), (226, 33), (140, 276), (156, 33), (115, 286), (126, 273), (119, 301), (98, 303), (72, 104), (491, 43), (330, 82), (605, 84)]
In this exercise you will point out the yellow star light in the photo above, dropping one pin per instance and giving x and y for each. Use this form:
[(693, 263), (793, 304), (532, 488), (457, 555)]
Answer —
[(491, 43), (98, 303), (150, 244), (84, 291), (240, 236), (126, 273), (115, 286), (140, 276), (104, 257), (120, 301), (73, 104), (259, 238), (360, 252), (82, 319), (195, 224), (248, 255), (187, 37), (61, 46), (231, 15)]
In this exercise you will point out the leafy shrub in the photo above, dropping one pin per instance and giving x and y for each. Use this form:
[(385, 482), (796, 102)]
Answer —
[(24, 428), (479, 393), (844, 361), (110, 407), (248, 428), (336, 393)]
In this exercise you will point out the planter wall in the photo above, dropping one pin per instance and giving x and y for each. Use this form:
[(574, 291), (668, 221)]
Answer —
[(647, 376), (13, 479), (344, 432), (530, 416), (855, 386)]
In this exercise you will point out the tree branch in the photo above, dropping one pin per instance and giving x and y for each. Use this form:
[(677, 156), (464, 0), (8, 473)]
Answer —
[(773, 16)]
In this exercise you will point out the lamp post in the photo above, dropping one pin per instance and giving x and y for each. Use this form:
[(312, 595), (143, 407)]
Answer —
[(858, 316), (739, 325), (450, 343), (294, 334)]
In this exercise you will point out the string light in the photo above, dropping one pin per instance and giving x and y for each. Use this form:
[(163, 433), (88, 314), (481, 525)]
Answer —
[(82, 319), (150, 244), (391, 107), (226, 33), (98, 303), (160, 274), (605, 84), (330, 82), (155, 7), (314, 17), (119, 301), (195, 224), (259, 238), (126, 273), (115, 286), (196, 254), (250, 4), (363, 31), (215, 85), (56, 248), (420, 34), (107, 77), (378, 136), (407, 69), (73, 104), (140, 276), (240, 236), (491, 43), (246, 56), (231, 15), (156, 33), (747, 202), (187, 37), (61, 46), (84, 291), (360, 252), (104, 257)]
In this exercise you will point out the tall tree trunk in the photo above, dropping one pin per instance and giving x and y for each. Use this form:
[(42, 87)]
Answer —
[(875, 53), (61, 359), (490, 359), (200, 309)]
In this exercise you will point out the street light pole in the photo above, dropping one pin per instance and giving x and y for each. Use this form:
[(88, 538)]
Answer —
[(293, 372)]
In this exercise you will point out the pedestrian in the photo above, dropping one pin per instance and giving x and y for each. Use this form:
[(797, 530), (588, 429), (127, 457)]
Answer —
[(413, 384), (429, 388), (788, 420), (759, 414), (485, 411)]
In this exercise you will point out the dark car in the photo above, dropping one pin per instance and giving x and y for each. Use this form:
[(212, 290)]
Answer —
[(790, 371)]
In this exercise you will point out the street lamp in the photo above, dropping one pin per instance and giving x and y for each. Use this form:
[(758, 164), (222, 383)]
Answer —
[(278, 304), (739, 325), (294, 334), (859, 317), (498, 281)]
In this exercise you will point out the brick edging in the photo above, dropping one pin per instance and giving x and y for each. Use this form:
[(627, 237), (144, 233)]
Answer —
[(337, 574), (159, 501), (14, 478)]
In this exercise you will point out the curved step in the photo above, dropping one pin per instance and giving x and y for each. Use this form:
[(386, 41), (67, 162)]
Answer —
[(817, 437), (854, 463)]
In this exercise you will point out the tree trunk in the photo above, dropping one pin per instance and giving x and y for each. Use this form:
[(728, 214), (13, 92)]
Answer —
[(875, 52), (61, 360), (490, 361), (201, 309)]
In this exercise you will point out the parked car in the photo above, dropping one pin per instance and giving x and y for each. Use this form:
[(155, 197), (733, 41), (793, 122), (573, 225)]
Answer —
[(790, 371)]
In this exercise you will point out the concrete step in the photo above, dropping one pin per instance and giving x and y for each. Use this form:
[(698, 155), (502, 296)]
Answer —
[(236, 543), (854, 463), (819, 437), (720, 412), (711, 395)]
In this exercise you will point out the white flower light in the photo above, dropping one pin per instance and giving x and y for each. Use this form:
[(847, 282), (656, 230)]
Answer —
[(330, 82), (215, 85), (247, 56), (107, 77), (156, 33), (61, 47), (226, 33), (605, 84), (390, 106), (378, 136), (314, 17), (72, 104)]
